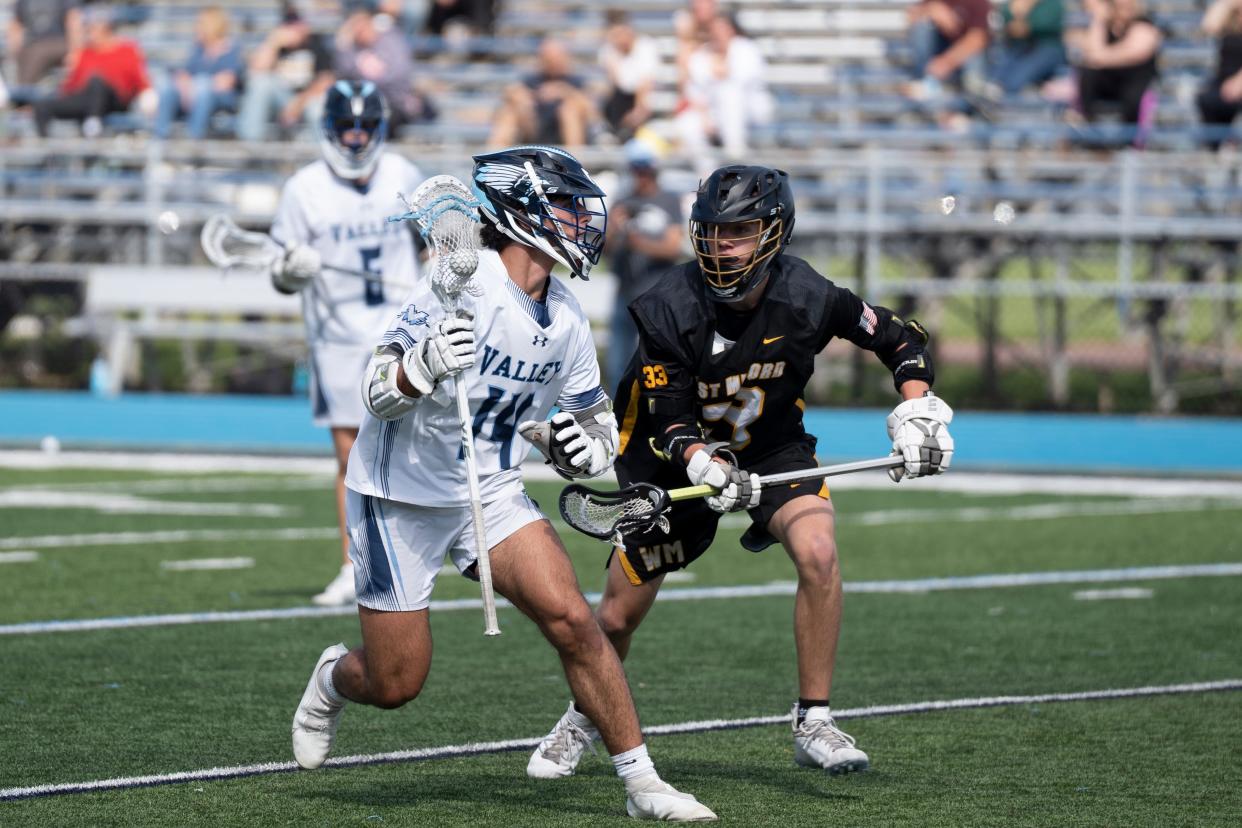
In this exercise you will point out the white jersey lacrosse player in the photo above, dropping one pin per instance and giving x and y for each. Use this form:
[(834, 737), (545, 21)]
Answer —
[(335, 212), (522, 346)]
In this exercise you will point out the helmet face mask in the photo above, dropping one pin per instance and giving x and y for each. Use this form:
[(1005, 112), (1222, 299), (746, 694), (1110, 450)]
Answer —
[(543, 198), (353, 128), (730, 252), (741, 220)]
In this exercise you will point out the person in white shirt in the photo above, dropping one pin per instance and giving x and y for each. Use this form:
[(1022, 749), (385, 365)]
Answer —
[(334, 211), (522, 346), (631, 61), (726, 94)]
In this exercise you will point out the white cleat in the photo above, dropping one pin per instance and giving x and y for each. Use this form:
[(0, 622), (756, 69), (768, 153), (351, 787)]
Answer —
[(559, 753), (653, 798), (819, 743), (315, 721), (340, 592)]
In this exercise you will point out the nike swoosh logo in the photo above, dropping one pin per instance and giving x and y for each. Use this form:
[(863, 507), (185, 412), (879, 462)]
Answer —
[(767, 341)]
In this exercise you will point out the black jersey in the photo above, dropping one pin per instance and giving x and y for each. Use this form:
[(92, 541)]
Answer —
[(742, 379)]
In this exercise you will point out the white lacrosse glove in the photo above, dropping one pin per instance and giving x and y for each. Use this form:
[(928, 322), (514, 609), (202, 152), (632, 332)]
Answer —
[(576, 448), (379, 388), (297, 268), (448, 351), (738, 489), (919, 429)]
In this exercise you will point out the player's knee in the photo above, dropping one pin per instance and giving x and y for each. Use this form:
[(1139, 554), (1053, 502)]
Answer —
[(394, 693), (571, 628), (617, 621), (817, 563)]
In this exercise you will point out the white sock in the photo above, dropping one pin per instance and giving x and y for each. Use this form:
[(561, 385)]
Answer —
[(326, 686), (633, 764)]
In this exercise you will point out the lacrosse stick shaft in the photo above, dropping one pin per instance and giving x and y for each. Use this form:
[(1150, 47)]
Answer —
[(691, 492), (365, 276), (490, 626)]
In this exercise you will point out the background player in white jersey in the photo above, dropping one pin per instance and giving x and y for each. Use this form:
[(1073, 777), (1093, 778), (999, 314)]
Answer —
[(334, 212), (526, 347)]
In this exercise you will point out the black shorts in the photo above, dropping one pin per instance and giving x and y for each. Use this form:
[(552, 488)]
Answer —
[(692, 523)]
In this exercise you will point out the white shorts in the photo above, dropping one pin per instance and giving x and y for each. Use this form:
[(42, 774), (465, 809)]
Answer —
[(336, 373), (398, 549)]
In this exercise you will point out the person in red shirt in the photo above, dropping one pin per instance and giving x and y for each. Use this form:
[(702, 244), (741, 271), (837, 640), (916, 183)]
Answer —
[(104, 76), (949, 39)]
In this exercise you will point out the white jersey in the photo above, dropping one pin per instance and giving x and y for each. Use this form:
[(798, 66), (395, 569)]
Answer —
[(349, 228), (530, 357)]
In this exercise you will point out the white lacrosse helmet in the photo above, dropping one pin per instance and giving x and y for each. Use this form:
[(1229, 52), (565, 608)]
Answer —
[(353, 109), (518, 189)]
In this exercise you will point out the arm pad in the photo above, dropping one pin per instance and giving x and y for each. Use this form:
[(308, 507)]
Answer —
[(380, 393)]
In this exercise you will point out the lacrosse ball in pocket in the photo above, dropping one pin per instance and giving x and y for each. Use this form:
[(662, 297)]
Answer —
[(463, 262)]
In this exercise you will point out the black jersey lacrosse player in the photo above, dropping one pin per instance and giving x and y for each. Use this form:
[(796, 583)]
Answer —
[(727, 344)]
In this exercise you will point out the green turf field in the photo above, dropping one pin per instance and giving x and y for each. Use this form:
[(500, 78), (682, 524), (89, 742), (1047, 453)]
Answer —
[(86, 705)]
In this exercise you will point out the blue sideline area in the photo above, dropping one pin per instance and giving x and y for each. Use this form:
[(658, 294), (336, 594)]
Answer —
[(1036, 442)]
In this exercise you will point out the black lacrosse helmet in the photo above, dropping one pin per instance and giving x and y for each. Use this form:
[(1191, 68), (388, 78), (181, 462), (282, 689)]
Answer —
[(353, 108), (736, 206), (542, 197)]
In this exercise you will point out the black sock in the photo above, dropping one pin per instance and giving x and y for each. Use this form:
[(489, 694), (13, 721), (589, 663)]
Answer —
[(806, 704)]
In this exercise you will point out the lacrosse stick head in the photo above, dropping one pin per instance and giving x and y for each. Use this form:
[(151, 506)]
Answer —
[(542, 197), (447, 217), (228, 246), (609, 515)]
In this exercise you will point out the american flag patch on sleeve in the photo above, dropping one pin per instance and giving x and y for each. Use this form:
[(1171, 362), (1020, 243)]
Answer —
[(868, 320)]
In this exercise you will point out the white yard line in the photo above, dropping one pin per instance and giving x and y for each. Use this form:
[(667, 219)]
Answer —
[(166, 462), (20, 556), (776, 588), (484, 748), (1034, 511), (125, 504), (878, 517), (953, 481), (1113, 594), (189, 485), (191, 564), (168, 536)]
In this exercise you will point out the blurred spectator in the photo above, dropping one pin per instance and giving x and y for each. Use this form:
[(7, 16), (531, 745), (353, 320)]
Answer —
[(1220, 100), (288, 74), (105, 75), (949, 39), (548, 107), (1031, 49), (725, 93), (691, 25), (1119, 53), (645, 233), (630, 62), (209, 80), (479, 15), (370, 47), (41, 35)]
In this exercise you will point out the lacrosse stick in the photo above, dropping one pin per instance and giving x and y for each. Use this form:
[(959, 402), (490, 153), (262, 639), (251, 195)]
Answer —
[(228, 246), (446, 215), (643, 506)]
